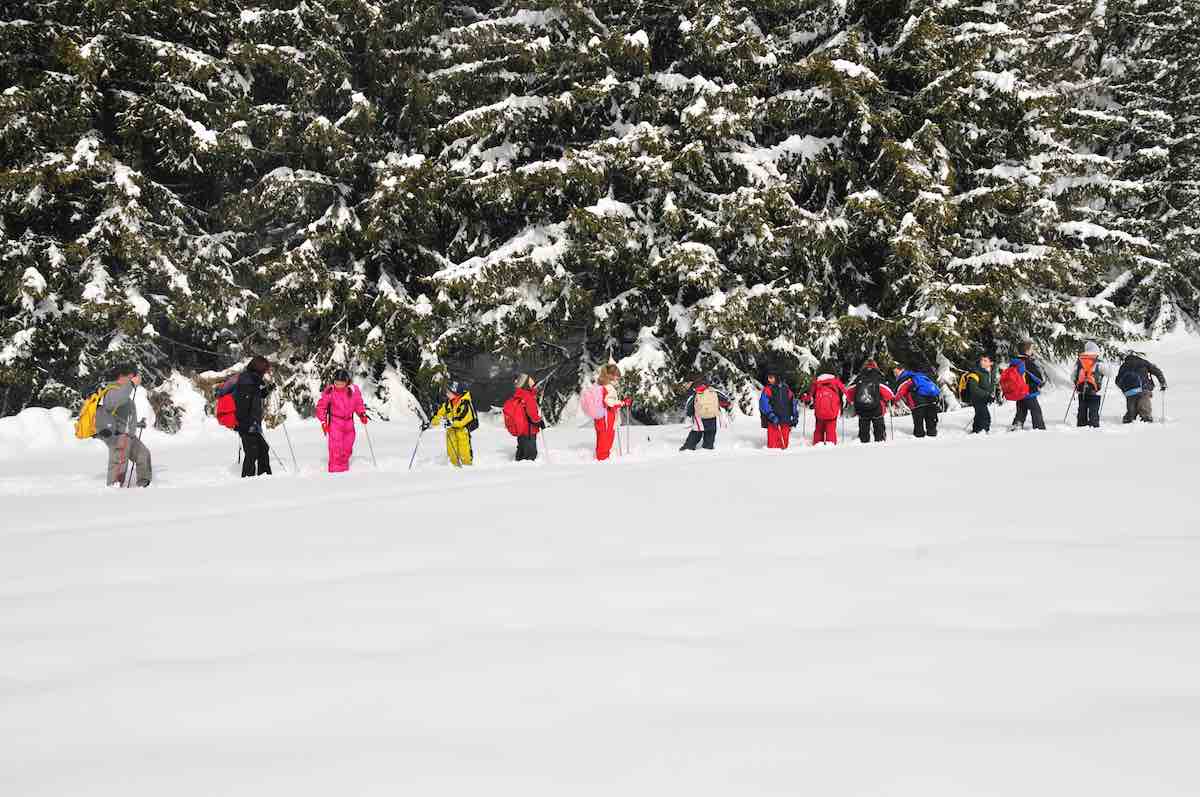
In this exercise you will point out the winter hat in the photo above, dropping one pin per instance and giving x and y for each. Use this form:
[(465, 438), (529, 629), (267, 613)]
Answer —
[(871, 365), (456, 387), (1091, 348), (341, 375)]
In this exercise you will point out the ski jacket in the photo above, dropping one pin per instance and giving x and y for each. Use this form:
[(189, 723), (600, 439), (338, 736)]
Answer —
[(336, 406), (1143, 369), (981, 386), (117, 412), (825, 382), (916, 389), (530, 421), (249, 396), (459, 411), (1032, 373), (777, 405), (886, 394), (689, 405)]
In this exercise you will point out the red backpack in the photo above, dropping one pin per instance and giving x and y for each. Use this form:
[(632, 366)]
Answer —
[(226, 411), (827, 402), (515, 419), (1013, 384)]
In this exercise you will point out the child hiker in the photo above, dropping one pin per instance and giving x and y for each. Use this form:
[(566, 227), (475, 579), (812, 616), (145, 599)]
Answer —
[(523, 418), (606, 427), (704, 404), (826, 396), (1089, 379), (336, 408), (778, 411), (457, 414)]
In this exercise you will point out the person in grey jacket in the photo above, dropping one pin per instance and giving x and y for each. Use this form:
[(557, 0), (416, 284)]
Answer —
[(117, 425)]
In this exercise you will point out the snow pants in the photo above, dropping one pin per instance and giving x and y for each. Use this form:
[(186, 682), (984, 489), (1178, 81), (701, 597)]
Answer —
[(527, 448), (1032, 407), (458, 447), (1089, 411), (925, 420), (868, 425), (825, 431), (708, 434), (779, 435), (256, 454), (121, 449), (983, 418), (341, 444), (606, 433), (1141, 405)]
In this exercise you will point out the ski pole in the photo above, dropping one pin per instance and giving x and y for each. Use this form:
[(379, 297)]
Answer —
[(1104, 396), (239, 453), (1163, 401), (278, 458), (891, 424), (289, 442), (415, 447), (371, 445), (1069, 403)]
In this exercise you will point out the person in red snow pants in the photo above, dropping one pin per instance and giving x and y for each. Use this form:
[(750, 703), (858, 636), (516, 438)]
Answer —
[(338, 405), (827, 396), (606, 427)]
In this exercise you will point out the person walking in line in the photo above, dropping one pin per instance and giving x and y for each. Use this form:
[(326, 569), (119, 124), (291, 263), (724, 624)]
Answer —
[(1088, 378), (336, 408), (457, 415), (1134, 380), (249, 397), (117, 425), (523, 417), (870, 395), (778, 411), (703, 406), (606, 427), (922, 396), (826, 396), (1030, 373), (979, 390)]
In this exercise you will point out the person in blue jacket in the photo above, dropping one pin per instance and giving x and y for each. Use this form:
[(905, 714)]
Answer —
[(778, 411), (923, 397), (1034, 378)]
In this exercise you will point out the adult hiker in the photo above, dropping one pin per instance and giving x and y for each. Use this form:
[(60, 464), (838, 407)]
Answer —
[(1022, 382), (117, 425), (870, 395), (523, 418), (778, 411), (826, 396), (703, 406), (457, 415), (336, 408), (979, 390), (1088, 377), (1134, 380), (249, 397), (922, 396), (610, 401)]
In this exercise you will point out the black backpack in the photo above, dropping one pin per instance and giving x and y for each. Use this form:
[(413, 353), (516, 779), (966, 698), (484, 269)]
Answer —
[(1129, 378), (781, 402), (866, 395)]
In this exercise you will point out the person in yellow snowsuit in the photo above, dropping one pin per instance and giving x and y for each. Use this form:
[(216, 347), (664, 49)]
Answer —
[(457, 414)]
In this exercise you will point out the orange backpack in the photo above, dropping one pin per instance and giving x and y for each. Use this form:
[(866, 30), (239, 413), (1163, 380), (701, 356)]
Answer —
[(1087, 374)]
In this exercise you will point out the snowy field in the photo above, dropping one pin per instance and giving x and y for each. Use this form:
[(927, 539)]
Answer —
[(1010, 615)]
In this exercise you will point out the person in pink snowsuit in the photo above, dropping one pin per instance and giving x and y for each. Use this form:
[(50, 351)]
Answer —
[(338, 405)]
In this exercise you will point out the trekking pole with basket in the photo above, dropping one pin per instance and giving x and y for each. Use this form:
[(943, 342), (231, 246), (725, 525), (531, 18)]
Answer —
[(371, 446), (289, 442), (128, 480), (1067, 414)]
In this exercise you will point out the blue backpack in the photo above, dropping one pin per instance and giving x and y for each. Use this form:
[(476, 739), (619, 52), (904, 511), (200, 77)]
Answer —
[(925, 387)]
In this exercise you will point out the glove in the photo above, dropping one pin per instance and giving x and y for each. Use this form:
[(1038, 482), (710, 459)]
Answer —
[(142, 423), (364, 419), (773, 420), (541, 424), (446, 424), (793, 423), (1162, 385), (424, 425), (104, 434), (325, 429)]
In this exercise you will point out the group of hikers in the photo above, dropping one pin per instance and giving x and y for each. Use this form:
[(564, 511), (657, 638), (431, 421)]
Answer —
[(111, 413)]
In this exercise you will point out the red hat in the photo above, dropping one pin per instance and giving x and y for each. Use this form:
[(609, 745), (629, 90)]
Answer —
[(871, 364)]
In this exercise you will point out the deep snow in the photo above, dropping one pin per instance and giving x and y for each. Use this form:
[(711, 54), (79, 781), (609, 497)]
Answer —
[(1011, 615)]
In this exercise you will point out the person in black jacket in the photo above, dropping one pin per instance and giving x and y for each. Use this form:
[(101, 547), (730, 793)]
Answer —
[(1134, 380), (249, 396)]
